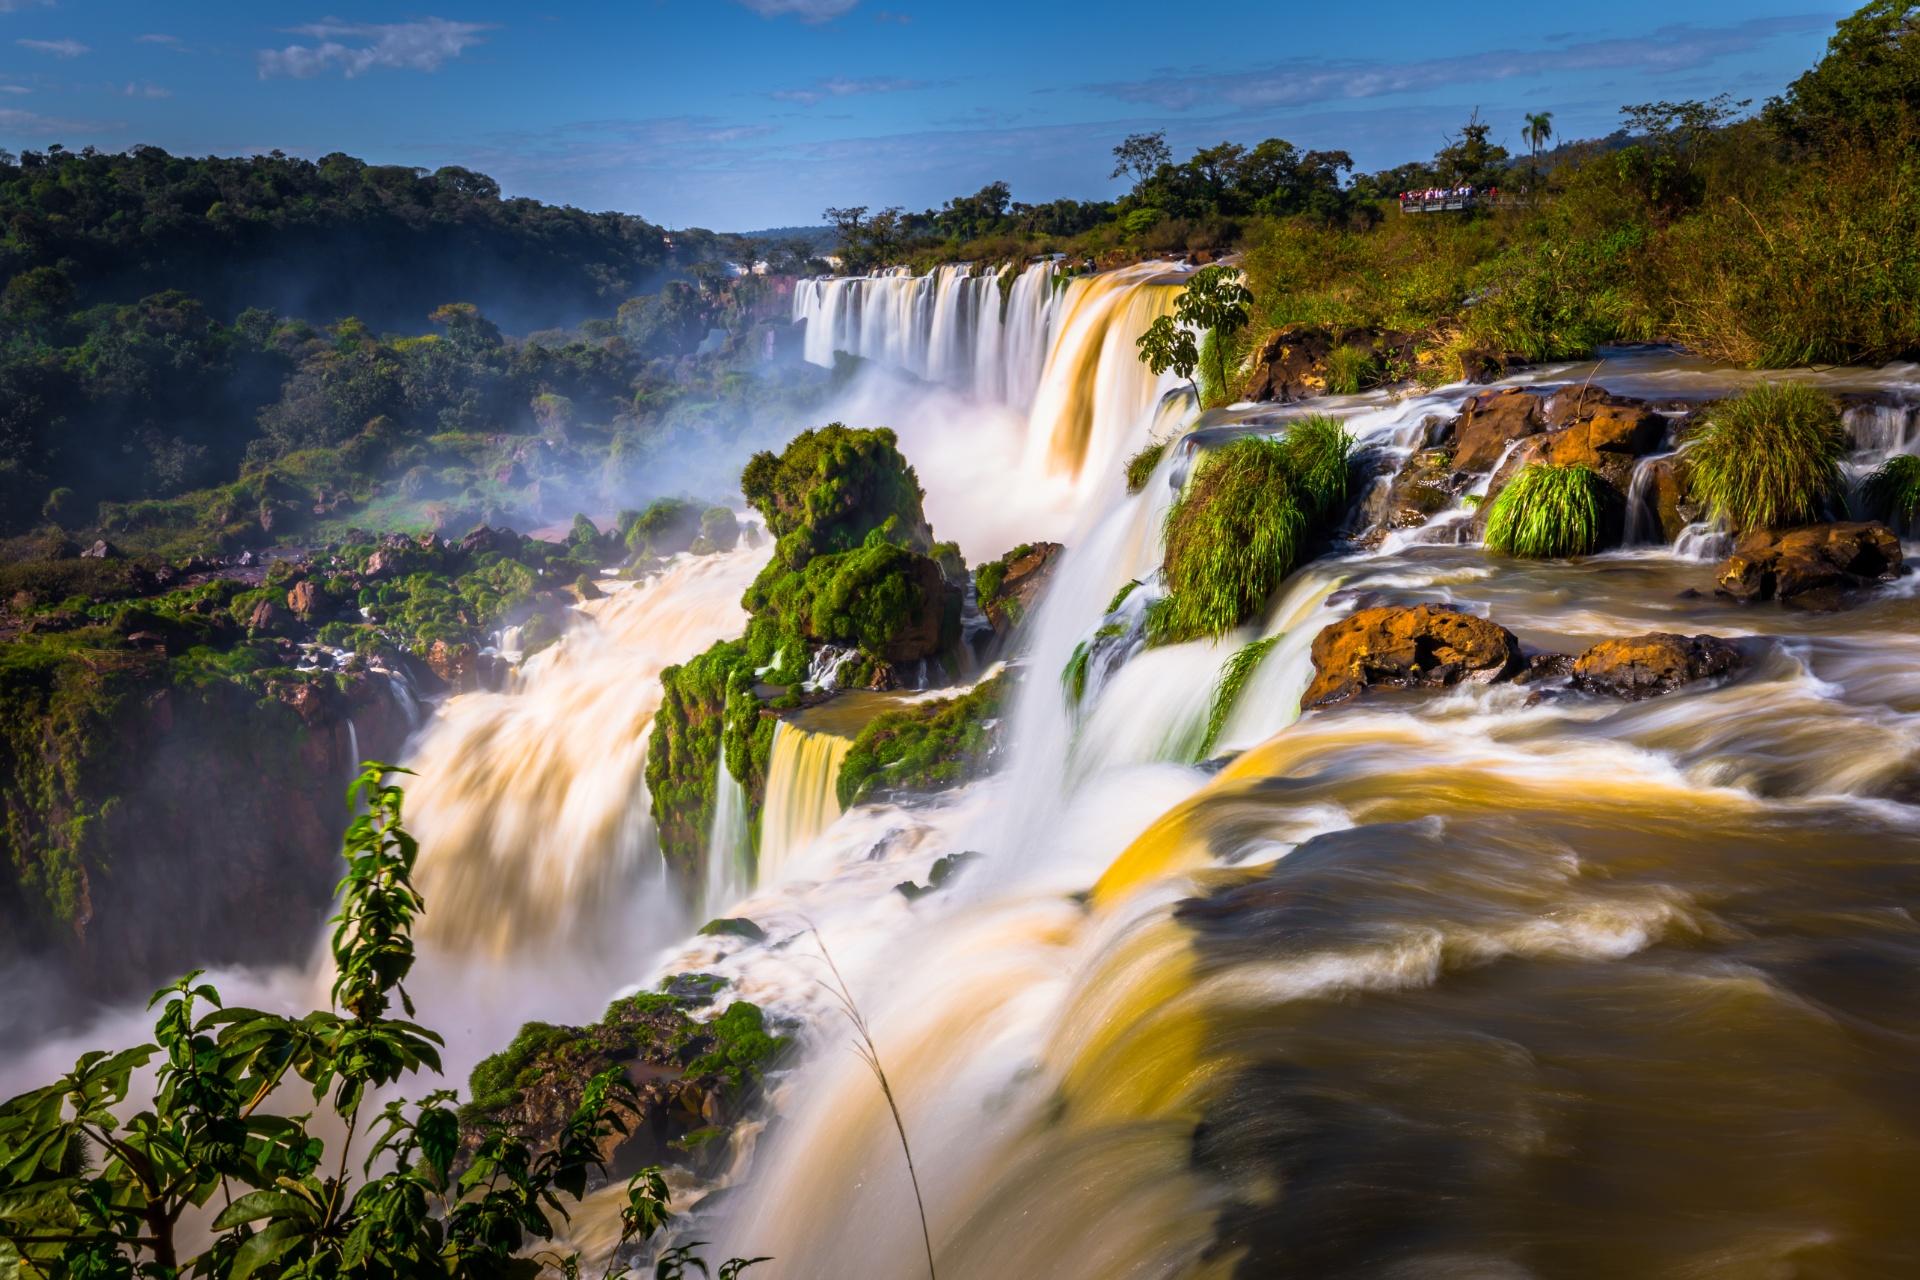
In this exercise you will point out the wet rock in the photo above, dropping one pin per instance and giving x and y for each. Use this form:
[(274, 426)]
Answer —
[(733, 927), (1669, 498), (1019, 589), (1292, 365), (1545, 666), (1489, 423), (101, 550), (304, 598), (1427, 485), (456, 664), (266, 618), (925, 631), (1648, 665), (1817, 567), (1400, 647)]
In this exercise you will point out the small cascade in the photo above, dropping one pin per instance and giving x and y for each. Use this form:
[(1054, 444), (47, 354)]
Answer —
[(1877, 430), (1643, 517), (729, 847), (803, 797)]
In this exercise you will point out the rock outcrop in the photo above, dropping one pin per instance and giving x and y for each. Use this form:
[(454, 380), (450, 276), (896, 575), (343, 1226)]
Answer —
[(1491, 422), (1648, 665), (1817, 567), (1409, 646), (1009, 588), (1292, 364)]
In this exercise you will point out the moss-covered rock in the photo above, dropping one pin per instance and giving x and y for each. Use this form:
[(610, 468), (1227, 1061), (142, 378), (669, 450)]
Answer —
[(924, 748)]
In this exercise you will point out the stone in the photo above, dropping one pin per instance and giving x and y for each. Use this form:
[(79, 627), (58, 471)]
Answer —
[(304, 598), (1489, 423), (1816, 567), (101, 550), (1658, 662), (1408, 646), (1020, 590), (453, 663), (1427, 485), (266, 617)]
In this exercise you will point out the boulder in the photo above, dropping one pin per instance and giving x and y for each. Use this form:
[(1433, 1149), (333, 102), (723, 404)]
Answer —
[(1427, 485), (925, 633), (454, 663), (1292, 364), (1668, 496), (1020, 589), (266, 618), (1489, 423), (1649, 665), (101, 550), (1815, 567), (304, 598), (1408, 646)]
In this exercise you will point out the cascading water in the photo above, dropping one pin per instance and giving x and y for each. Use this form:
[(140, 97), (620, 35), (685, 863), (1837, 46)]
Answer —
[(803, 773)]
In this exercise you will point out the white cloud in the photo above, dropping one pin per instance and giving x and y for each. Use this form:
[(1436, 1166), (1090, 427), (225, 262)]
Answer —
[(58, 48), (14, 88), (16, 6), (355, 48), (845, 87), (805, 10), (133, 90), (159, 38)]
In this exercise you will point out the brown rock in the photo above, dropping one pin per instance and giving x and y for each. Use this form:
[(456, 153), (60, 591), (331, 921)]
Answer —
[(265, 617), (1645, 666), (1020, 589), (453, 663), (1669, 497), (1491, 421), (926, 634), (1816, 567), (1418, 646), (304, 598), (1424, 487)]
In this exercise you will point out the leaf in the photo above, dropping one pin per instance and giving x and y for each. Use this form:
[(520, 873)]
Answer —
[(265, 1249), (256, 1205)]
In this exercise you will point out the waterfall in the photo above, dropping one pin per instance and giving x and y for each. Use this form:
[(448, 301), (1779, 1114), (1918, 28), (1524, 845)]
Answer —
[(1643, 519), (729, 847), (803, 798), (531, 805)]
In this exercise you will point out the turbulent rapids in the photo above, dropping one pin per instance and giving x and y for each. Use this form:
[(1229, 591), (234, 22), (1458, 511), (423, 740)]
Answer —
[(1480, 982)]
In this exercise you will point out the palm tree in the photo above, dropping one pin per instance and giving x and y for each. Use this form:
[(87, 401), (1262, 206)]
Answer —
[(1538, 133)]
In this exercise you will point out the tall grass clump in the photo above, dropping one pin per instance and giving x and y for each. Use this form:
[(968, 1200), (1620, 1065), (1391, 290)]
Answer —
[(1242, 525), (1547, 513), (1350, 370), (1226, 691), (1769, 457), (1892, 492), (1140, 466)]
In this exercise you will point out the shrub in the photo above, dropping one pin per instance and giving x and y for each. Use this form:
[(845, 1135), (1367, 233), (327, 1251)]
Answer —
[(1242, 525), (1547, 513), (1769, 457), (1892, 492), (1350, 369), (1140, 466)]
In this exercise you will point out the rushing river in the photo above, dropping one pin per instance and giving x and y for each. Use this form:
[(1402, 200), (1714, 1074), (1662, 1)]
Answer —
[(1467, 984)]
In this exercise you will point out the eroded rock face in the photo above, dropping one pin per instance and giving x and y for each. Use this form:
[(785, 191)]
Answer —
[(1293, 363), (1648, 665), (1020, 590), (1408, 646), (1428, 484), (304, 598), (1491, 421), (1817, 567)]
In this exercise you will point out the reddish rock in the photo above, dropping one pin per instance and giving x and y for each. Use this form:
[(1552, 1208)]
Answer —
[(1648, 665), (1491, 421), (453, 663), (1815, 567), (266, 617), (1399, 647), (1020, 590), (304, 598)]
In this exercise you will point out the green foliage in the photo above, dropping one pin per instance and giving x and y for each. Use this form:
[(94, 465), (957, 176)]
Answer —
[(1892, 491), (831, 488), (929, 746), (1140, 466), (1073, 676), (1350, 370), (742, 1045), (1215, 303), (1770, 457), (870, 597), (667, 527), (1867, 86), (1226, 691), (1547, 513), (719, 531), (497, 1081), (95, 1184), (1242, 525), (991, 576)]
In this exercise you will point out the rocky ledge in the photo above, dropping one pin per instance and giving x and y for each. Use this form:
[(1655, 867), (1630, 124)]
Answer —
[(1819, 567)]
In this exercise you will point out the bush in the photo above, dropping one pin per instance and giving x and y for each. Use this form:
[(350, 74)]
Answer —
[(1140, 466), (1242, 525), (1350, 370), (1769, 457), (1547, 513), (1892, 492)]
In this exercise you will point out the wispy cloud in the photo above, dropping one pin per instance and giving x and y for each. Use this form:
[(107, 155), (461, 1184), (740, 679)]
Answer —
[(1676, 47), (845, 87), (355, 48), (805, 10), (132, 90), (16, 6), (68, 48), (14, 88), (17, 122), (162, 39)]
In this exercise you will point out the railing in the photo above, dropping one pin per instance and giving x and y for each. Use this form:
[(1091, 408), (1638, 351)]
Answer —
[(1462, 203)]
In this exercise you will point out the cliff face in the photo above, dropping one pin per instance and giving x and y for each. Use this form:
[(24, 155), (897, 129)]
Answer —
[(165, 826)]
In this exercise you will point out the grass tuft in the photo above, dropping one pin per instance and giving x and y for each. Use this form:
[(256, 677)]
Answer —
[(1892, 492), (1770, 457), (1233, 678), (1242, 524), (1547, 513), (1351, 370), (1140, 466)]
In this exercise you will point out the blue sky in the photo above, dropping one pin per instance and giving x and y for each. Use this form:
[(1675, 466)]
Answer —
[(739, 114)]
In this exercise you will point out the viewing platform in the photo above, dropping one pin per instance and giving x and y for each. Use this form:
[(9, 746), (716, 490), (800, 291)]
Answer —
[(1461, 202)]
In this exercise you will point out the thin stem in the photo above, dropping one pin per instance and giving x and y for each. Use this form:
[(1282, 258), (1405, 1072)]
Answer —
[(871, 1057)]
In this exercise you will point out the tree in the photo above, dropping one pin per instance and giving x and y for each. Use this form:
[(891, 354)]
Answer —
[(1867, 86), (1140, 156), (1472, 159), (1214, 302), (1539, 130), (89, 1191)]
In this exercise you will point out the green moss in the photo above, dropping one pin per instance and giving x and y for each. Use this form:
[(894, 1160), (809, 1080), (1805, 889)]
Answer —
[(1243, 524), (927, 747), (1547, 513), (833, 487), (743, 1047), (1120, 596), (1140, 466), (991, 576), (1770, 457), (869, 597), (667, 527), (498, 1080)]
